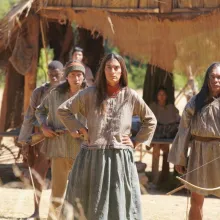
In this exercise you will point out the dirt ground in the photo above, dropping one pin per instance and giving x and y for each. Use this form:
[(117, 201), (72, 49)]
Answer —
[(17, 203)]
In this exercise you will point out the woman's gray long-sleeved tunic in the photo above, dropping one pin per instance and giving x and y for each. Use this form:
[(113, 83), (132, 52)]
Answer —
[(201, 170), (104, 176)]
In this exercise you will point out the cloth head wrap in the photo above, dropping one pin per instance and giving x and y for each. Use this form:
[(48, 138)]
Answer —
[(74, 66)]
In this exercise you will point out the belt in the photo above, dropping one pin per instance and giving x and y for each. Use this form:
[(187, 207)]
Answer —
[(205, 139), (104, 147)]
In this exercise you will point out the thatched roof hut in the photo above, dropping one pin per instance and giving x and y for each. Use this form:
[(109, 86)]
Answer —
[(168, 33), (140, 28)]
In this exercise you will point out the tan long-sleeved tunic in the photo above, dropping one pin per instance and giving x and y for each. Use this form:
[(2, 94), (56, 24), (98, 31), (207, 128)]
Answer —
[(108, 129), (63, 145), (205, 124)]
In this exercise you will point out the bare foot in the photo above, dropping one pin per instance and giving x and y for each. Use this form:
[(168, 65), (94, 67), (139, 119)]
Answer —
[(35, 215)]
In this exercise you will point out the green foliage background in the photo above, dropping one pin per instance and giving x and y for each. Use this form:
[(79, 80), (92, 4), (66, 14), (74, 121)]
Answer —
[(5, 6), (42, 65)]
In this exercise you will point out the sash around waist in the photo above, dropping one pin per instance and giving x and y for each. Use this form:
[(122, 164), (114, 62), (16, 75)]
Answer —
[(109, 146), (205, 139)]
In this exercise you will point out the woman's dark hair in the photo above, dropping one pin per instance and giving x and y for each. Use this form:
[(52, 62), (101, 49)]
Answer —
[(161, 88), (101, 82), (65, 86), (204, 94), (77, 49)]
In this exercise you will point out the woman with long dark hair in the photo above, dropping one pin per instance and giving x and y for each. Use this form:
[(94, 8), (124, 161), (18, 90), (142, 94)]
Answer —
[(107, 185), (168, 118), (200, 131), (165, 112)]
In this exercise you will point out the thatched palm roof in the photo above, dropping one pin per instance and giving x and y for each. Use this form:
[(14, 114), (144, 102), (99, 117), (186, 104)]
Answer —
[(10, 22), (143, 33)]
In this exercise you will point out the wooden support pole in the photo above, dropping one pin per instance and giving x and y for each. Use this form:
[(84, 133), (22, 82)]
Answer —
[(12, 100), (33, 28), (67, 44)]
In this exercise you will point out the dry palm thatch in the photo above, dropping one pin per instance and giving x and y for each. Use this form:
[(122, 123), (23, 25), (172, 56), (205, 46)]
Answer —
[(192, 42), (12, 19)]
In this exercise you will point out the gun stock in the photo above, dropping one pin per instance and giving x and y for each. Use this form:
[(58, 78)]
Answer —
[(38, 137)]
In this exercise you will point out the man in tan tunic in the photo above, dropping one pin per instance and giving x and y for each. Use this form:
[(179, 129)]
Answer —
[(199, 130), (59, 146), (33, 156)]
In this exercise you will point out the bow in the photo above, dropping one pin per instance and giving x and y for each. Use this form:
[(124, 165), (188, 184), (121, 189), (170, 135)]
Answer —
[(197, 187), (192, 185)]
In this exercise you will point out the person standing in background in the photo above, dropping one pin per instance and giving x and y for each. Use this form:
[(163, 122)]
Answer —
[(168, 118), (78, 55), (32, 154)]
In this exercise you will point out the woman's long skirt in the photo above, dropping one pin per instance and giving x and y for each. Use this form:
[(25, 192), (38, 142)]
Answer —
[(104, 185)]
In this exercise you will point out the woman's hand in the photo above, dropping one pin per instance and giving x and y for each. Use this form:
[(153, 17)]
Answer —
[(126, 140), (84, 132), (48, 132), (81, 133), (75, 134), (180, 169)]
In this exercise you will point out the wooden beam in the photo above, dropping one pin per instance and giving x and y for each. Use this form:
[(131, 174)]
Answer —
[(128, 10), (166, 6), (33, 28), (193, 10), (176, 14)]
